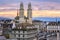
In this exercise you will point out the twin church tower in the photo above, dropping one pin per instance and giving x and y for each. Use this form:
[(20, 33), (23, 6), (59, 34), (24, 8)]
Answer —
[(22, 17)]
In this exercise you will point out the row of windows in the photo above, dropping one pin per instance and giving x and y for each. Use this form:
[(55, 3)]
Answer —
[(21, 35), (21, 32), (53, 27), (28, 27), (24, 39)]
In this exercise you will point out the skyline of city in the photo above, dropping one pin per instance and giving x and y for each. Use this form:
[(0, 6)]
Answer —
[(29, 20)]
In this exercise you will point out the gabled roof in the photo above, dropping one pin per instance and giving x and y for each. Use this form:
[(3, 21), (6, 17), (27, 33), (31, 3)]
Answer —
[(54, 23)]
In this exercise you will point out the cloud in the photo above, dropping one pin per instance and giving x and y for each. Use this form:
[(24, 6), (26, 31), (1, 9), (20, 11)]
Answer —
[(57, 1), (8, 7), (47, 6), (41, 13), (36, 5)]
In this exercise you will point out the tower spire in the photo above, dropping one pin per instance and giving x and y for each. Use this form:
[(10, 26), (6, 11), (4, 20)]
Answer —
[(21, 5), (29, 6), (21, 10), (29, 13), (21, 13), (17, 12)]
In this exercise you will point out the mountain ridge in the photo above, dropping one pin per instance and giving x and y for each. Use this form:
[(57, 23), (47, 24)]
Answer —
[(37, 18)]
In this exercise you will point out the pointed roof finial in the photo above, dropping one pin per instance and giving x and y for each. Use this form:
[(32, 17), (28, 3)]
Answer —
[(21, 5), (17, 12), (29, 5)]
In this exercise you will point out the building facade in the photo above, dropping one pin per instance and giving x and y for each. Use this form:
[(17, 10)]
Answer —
[(24, 32), (24, 29)]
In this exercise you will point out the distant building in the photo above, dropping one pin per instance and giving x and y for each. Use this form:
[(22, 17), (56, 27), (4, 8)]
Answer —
[(40, 25), (53, 26), (6, 27)]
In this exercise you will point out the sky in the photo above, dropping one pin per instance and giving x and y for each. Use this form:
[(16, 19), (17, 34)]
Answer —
[(41, 8)]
